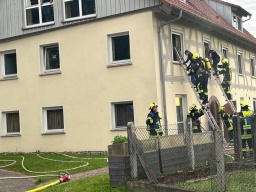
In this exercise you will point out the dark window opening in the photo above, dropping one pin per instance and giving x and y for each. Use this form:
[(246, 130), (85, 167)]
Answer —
[(121, 48), (123, 114), (10, 64)]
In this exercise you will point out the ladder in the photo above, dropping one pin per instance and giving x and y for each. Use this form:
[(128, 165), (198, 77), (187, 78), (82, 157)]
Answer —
[(231, 104), (207, 111)]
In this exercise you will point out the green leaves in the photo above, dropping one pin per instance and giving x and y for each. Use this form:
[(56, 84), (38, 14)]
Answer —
[(119, 139)]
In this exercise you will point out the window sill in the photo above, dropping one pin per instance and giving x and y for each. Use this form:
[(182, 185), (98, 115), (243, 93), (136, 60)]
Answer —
[(241, 75), (38, 25), (12, 135), (50, 73), (9, 78), (53, 133), (79, 18), (117, 64), (253, 77), (119, 129)]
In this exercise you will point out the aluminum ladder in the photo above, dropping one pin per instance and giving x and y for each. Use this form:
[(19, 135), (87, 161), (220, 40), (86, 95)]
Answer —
[(207, 111)]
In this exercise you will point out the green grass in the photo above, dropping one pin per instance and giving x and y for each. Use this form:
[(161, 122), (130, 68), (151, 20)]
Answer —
[(44, 163), (235, 182), (89, 184), (51, 163)]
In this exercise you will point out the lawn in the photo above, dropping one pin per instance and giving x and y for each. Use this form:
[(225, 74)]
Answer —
[(236, 181), (51, 165), (44, 164), (89, 184)]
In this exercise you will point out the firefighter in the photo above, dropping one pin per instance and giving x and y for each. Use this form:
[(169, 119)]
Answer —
[(215, 60), (227, 77), (193, 67), (153, 122), (203, 75), (246, 130), (194, 114), (226, 118)]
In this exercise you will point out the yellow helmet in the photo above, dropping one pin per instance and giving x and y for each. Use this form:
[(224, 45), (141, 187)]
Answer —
[(192, 107), (152, 105), (224, 61), (195, 56), (244, 103), (221, 108)]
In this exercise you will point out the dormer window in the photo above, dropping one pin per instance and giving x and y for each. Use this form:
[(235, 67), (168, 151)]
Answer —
[(183, 1), (237, 22)]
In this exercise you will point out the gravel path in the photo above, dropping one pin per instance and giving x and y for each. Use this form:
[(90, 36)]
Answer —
[(21, 185)]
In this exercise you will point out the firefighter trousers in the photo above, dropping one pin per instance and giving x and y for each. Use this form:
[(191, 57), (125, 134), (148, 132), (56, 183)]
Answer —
[(202, 87), (226, 86)]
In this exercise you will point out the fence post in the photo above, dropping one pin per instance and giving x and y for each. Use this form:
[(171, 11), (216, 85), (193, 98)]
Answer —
[(190, 143), (254, 135), (220, 160), (237, 137), (132, 151)]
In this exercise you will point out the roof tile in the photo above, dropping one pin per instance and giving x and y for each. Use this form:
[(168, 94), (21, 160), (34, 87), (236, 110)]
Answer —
[(201, 9)]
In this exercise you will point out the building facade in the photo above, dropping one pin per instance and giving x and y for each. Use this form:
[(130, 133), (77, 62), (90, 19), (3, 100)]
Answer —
[(73, 73)]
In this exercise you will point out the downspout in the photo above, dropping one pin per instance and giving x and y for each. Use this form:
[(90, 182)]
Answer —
[(162, 73)]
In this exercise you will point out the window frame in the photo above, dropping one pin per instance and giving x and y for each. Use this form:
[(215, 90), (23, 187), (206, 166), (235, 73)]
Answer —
[(222, 51), (45, 122), (2, 65), (254, 104), (113, 104), (43, 70), (182, 49), (206, 41), (4, 123), (182, 109), (238, 23), (39, 6), (253, 66), (80, 9), (240, 65), (111, 62)]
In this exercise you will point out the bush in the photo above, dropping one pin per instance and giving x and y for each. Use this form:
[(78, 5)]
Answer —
[(119, 139)]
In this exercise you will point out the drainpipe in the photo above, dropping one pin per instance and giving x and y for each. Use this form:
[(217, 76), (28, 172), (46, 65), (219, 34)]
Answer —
[(162, 73)]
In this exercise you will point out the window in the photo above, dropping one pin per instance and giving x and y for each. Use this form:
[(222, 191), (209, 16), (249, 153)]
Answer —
[(50, 60), (79, 9), (119, 48), (254, 104), (237, 22), (8, 64), (224, 52), (183, 1), (252, 67), (178, 43), (122, 113), (179, 100), (207, 48), (37, 13), (11, 122), (53, 119), (239, 62)]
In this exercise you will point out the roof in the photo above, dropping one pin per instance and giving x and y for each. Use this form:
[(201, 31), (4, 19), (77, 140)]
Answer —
[(202, 10), (243, 11)]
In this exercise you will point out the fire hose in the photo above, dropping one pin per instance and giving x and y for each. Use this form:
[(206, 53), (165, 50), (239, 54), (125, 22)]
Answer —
[(63, 178)]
